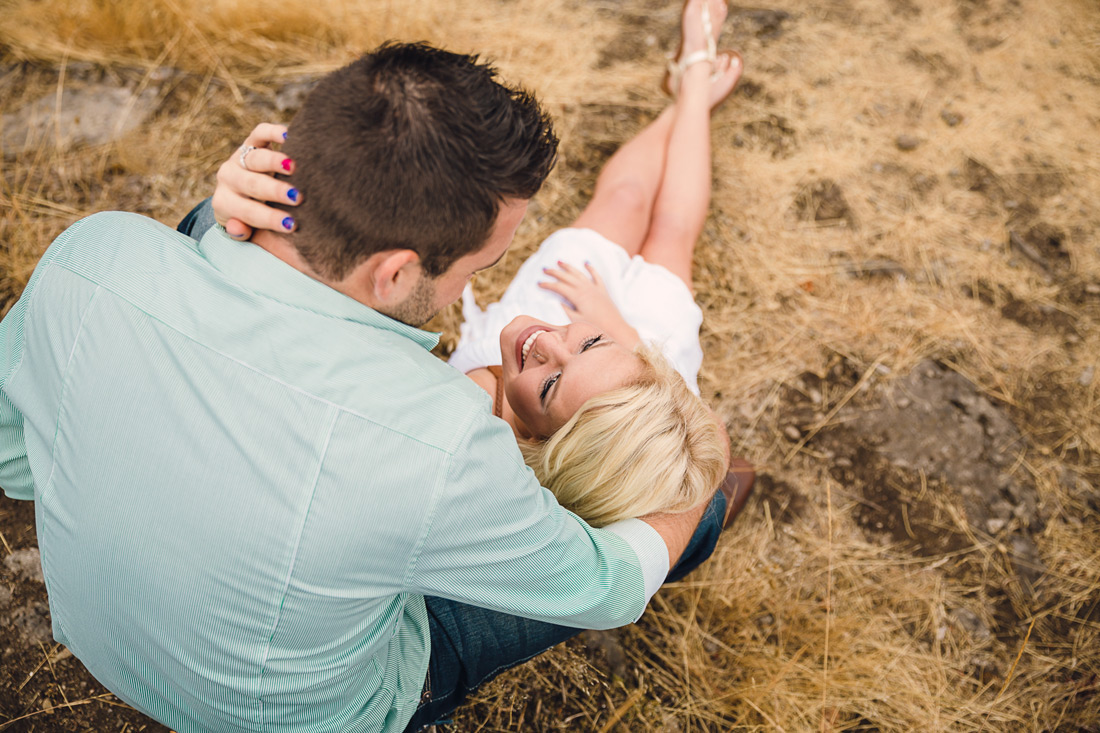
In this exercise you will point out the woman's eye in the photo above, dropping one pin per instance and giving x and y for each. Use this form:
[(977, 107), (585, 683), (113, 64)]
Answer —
[(547, 385), (591, 342)]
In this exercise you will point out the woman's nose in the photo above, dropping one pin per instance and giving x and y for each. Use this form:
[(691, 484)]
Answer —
[(550, 347)]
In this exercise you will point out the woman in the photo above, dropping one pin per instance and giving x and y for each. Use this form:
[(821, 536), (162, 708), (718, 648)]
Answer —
[(592, 353)]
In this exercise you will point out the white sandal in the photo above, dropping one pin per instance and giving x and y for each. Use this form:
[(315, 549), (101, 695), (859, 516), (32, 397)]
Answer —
[(677, 68)]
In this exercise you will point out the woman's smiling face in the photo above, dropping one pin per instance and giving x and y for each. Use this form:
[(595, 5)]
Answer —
[(550, 371)]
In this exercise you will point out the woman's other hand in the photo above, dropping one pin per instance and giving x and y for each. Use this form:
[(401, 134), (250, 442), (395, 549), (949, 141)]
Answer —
[(245, 181), (587, 300)]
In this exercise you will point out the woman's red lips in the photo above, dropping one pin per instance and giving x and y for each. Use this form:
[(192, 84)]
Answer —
[(522, 339)]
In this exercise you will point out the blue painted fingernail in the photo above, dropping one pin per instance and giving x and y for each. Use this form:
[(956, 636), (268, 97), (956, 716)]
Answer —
[(284, 136), (292, 194), (288, 223)]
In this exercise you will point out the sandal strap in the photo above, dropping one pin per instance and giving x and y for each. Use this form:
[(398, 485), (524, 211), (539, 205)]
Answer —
[(676, 68), (696, 58)]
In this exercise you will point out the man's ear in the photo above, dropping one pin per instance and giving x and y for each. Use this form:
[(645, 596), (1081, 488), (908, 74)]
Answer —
[(393, 275)]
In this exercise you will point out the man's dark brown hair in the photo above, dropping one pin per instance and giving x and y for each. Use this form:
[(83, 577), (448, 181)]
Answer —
[(411, 147)]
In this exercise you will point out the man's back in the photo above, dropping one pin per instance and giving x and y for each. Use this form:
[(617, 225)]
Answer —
[(185, 526), (245, 482)]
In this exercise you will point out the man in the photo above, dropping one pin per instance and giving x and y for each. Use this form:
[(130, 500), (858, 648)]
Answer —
[(261, 503)]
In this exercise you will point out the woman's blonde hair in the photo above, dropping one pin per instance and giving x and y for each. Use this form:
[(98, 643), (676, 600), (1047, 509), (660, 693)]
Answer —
[(649, 446)]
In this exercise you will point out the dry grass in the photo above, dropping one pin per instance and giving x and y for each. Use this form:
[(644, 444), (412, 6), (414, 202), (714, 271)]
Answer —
[(800, 622)]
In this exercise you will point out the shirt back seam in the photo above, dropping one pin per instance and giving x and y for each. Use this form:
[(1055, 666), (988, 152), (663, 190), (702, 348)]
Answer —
[(294, 559)]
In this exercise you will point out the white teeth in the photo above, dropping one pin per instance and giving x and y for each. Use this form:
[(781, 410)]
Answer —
[(528, 344)]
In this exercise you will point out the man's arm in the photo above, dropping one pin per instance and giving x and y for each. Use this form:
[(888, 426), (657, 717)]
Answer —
[(15, 470), (676, 529), (492, 537)]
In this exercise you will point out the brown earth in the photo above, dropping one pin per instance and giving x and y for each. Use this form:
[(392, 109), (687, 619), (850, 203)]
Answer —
[(901, 287)]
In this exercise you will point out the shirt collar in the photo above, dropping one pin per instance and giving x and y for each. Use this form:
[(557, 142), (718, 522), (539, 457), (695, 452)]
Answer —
[(261, 272)]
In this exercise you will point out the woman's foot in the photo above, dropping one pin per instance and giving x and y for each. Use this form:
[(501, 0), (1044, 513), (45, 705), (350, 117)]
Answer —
[(727, 72), (700, 28)]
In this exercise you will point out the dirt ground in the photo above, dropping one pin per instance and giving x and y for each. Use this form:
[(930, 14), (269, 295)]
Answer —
[(900, 282)]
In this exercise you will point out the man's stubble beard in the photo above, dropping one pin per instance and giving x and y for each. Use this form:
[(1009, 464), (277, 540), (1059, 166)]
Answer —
[(419, 307)]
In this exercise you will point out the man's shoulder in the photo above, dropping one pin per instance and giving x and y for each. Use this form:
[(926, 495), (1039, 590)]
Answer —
[(97, 243), (410, 391), (117, 224)]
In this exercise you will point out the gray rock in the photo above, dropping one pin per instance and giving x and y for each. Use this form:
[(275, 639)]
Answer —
[(970, 622), (290, 97), (25, 564), (608, 642), (32, 622), (950, 118), (1029, 565), (89, 115), (907, 142)]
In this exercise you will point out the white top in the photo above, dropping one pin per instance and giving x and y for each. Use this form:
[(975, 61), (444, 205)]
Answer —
[(651, 299)]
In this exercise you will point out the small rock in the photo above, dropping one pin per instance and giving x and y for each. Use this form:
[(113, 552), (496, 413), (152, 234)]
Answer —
[(293, 93), (32, 622), (1092, 289), (904, 402), (1086, 376), (608, 642), (844, 462), (792, 432), (95, 114), (970, 622), (26, 564), (1029, 565), (907, 142), (995, 525), (670, 723), (950, 117)]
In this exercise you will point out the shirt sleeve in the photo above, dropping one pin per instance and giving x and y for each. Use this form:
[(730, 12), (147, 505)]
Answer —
[(492, 537), (15, 469)]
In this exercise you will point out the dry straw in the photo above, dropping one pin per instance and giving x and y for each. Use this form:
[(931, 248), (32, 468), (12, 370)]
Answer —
[(828, 244)]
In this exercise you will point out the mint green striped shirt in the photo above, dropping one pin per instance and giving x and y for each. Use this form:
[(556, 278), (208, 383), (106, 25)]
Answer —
[(245, 483)]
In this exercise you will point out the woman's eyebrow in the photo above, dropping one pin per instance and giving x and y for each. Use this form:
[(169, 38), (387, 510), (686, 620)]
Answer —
[(604, 341)]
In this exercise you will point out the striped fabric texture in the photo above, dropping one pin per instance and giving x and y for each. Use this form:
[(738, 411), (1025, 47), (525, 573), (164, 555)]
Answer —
[(245, 483)]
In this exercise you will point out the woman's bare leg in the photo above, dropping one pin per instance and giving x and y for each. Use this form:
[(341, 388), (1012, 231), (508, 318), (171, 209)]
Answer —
[(680, 209), (627, 186)]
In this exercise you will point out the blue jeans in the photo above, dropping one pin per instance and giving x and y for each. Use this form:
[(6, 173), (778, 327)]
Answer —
[(198, 220), (472, 645)]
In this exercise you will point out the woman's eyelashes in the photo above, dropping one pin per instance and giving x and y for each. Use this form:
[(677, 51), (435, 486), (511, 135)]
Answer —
[(546, 385), (549, 381)]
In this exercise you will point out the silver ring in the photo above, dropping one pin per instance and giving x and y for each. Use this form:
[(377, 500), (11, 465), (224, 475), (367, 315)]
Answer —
[(245, 150)]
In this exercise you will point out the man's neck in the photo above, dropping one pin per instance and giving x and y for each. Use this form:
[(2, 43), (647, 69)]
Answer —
[(280, 246)]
